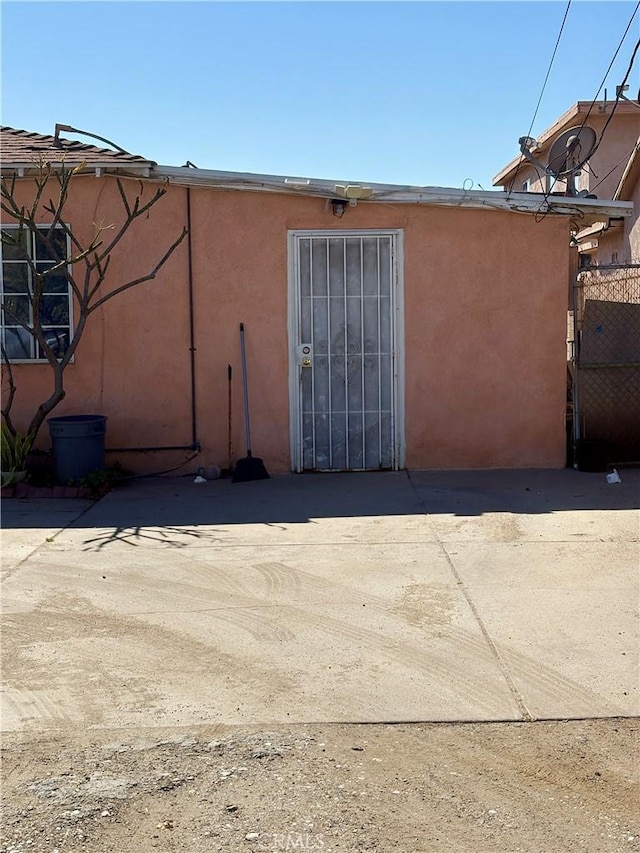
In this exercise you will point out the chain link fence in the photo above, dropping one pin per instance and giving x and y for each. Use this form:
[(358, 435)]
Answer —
[(606, 363)]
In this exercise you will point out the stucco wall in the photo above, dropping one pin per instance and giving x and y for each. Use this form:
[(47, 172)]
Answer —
[(620, 243), (613, 247), (485, 310), (608, 162)]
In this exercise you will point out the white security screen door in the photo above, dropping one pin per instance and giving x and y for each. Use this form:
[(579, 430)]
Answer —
[(343, 351)]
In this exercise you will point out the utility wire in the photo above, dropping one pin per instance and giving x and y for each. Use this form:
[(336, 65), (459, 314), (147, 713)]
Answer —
[(613, 59), (620, 88), (625, 159), (613, 108), (591, 106), (544, 86), (546, 79), (540, 215)]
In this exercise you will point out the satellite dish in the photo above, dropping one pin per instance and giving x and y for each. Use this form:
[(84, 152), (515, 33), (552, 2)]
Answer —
[(571, 150)]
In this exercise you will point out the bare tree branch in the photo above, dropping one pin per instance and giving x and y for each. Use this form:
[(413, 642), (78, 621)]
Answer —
[(136, 281), (123, 196), (132, 214), (84, 266)]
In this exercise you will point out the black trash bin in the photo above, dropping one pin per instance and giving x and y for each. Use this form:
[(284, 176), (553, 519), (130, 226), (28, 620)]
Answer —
[(78, 445), (592, 455)]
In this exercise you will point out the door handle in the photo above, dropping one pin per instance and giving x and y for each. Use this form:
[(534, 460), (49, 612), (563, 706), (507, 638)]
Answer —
[(305, 355)]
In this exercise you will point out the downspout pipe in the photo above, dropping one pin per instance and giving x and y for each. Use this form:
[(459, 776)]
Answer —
[(192, 348)]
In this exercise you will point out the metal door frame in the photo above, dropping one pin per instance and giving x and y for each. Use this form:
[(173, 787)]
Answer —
[(397, 318)]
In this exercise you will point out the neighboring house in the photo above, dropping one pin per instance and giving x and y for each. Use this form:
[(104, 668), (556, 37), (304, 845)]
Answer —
[(435, 325), (609, 174), (617, 241), (603, 171)]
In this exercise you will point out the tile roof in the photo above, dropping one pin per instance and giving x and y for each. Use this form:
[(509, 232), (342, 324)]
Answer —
[(23, 147)]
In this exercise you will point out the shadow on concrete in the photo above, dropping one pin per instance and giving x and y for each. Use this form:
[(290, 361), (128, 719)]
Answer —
[(528, 491), (135, 536), (177, 504)]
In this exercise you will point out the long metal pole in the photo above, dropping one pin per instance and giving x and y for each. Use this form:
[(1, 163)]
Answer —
[(245, 388), (229, 415)]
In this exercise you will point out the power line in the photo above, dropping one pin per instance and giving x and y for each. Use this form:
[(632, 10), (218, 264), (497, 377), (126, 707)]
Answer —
[(591, 106), (544, 86), (604, 79), (553, 56), (620, 89)]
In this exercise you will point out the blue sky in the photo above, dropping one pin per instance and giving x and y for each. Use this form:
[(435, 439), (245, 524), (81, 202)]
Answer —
[(419, 93)]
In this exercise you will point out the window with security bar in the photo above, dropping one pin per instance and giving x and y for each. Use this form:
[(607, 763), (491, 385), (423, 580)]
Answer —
[(34, 286)]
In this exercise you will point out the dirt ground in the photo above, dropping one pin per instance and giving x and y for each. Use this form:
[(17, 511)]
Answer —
[(543, 787)]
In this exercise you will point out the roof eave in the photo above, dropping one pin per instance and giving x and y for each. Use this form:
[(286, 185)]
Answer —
[(26, 168), (532, 203)]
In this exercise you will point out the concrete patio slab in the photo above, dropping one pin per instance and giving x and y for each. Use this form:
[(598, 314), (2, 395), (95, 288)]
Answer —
[(575, 606), (448, 596), (28, 524), (196, 579), (556, 527), (576, 666), (564, 618), (306, 510), (530, 505)]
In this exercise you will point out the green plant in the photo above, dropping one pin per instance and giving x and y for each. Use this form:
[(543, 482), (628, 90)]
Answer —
[(15, 449), (40, 468), (98, 483)]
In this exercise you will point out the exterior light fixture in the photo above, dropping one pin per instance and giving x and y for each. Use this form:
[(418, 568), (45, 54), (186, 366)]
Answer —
[(353, 191), (339, 206)]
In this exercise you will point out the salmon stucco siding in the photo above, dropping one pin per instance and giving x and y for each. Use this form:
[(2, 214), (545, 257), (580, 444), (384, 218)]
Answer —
[(483, 340)]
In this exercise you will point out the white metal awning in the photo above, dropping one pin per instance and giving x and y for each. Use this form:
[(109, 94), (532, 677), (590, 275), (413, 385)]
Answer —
[(365, 192)]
